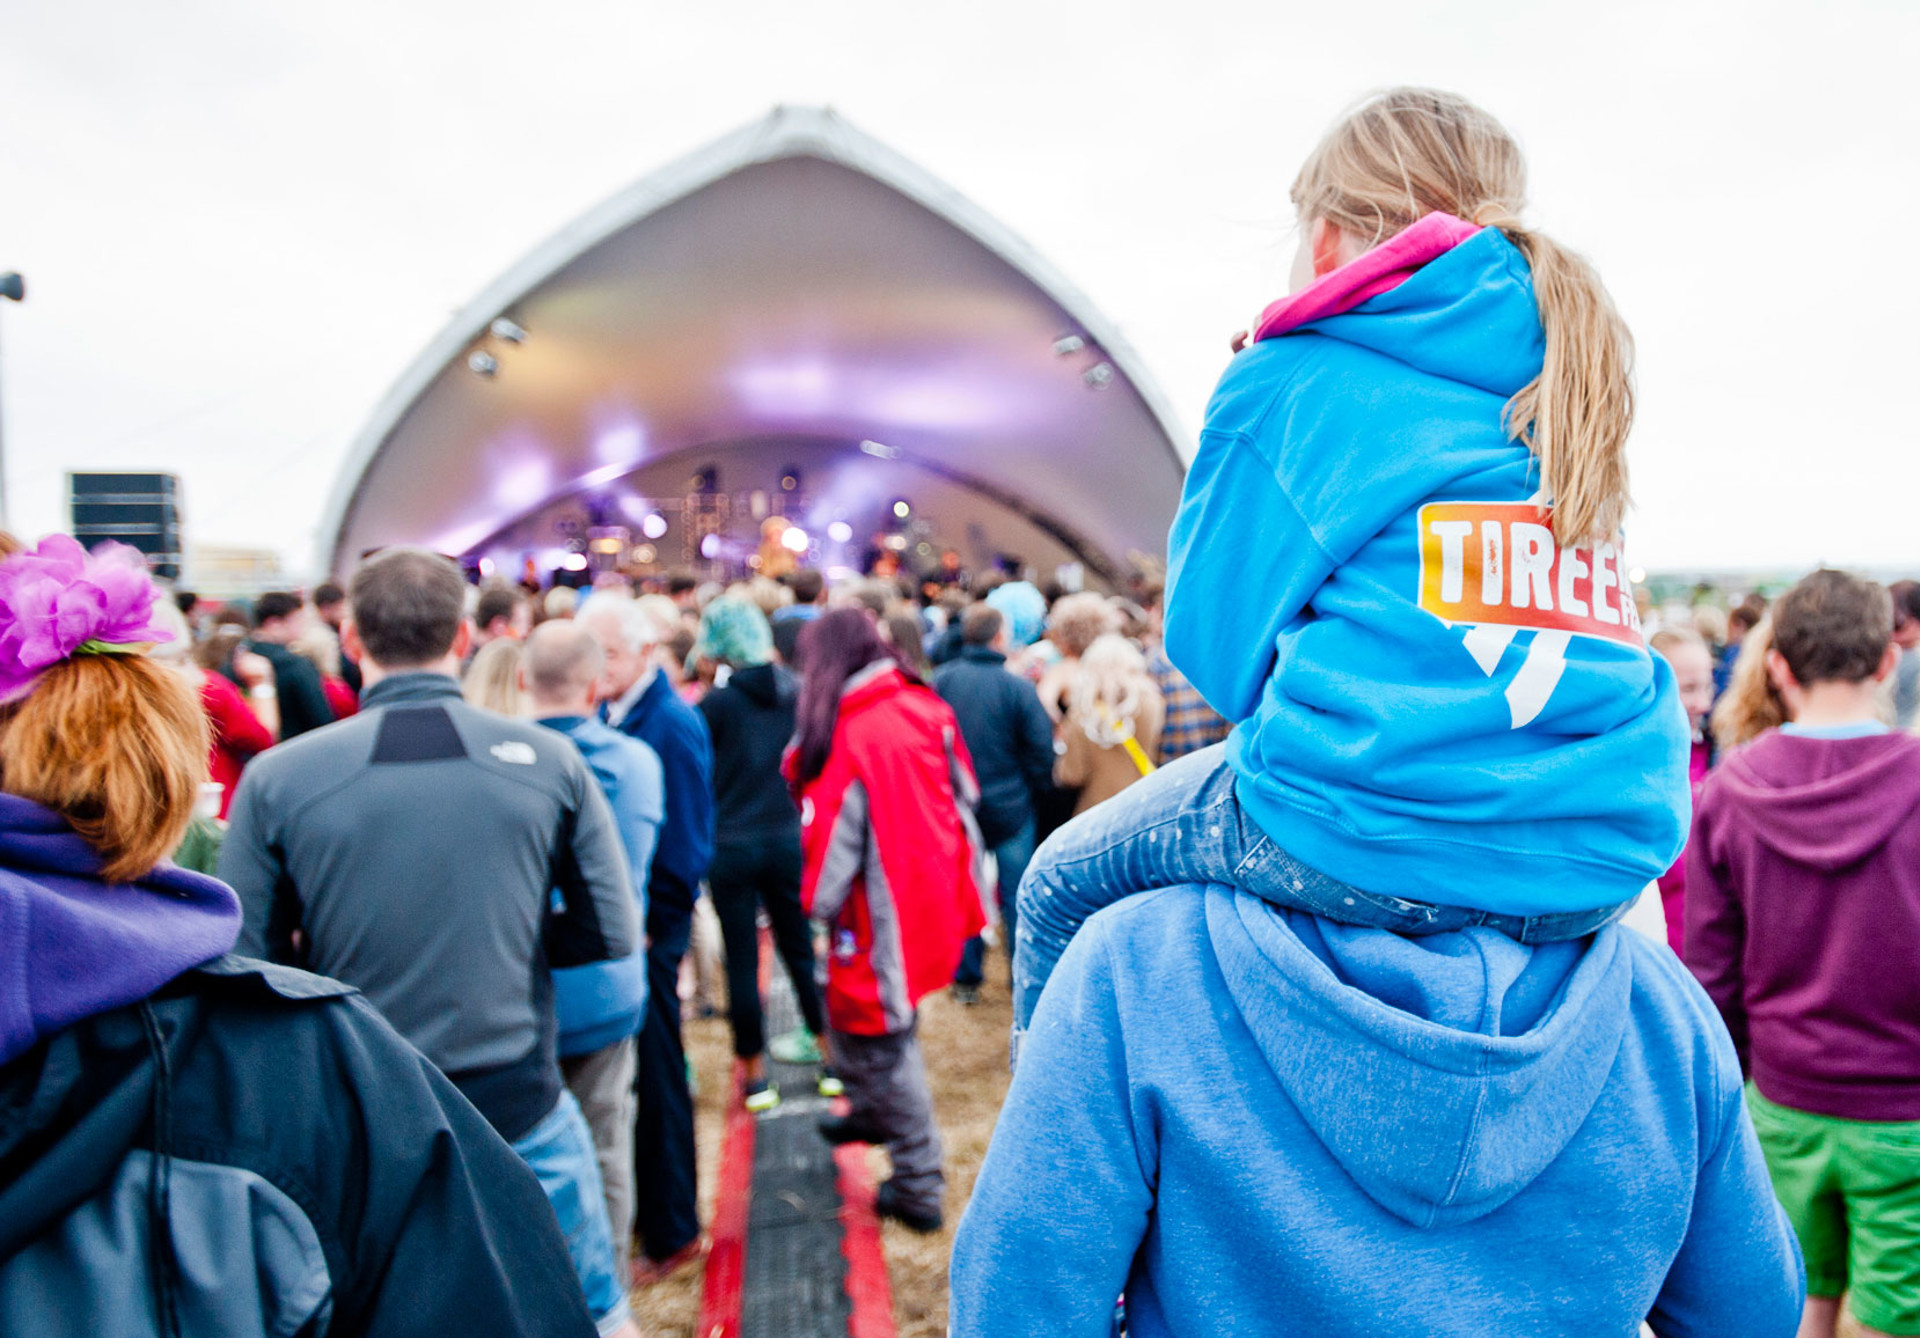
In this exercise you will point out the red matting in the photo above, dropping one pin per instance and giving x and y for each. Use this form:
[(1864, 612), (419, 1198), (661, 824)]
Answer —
[(727, 1260), (867, 1285)]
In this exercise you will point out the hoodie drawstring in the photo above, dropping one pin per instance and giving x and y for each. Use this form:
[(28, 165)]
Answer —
[(159, 1207)]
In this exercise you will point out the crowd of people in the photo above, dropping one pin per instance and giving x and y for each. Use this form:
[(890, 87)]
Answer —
[(349, 931)]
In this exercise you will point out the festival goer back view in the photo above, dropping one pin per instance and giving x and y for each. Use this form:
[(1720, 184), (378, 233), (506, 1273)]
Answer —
[(1114, 714), (443, 859), (756, 853), (1803, 923), (192, 1142), (1368, 1057), (892, 857), (1446, 713)]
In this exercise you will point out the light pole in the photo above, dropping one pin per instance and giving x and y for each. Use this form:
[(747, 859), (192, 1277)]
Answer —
[(14, 289)]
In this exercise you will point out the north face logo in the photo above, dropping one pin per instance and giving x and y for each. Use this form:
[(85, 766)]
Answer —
[(516, 752)]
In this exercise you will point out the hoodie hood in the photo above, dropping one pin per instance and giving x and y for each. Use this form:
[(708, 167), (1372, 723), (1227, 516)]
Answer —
[(1443, 1074), (766, 685), (1824, 803), (1468, 314), (72, 945)]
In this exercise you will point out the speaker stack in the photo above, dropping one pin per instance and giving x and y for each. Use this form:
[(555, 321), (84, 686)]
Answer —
[(138, 509)]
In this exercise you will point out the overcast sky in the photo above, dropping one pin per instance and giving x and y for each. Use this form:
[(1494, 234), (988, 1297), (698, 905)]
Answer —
[(239, 221)]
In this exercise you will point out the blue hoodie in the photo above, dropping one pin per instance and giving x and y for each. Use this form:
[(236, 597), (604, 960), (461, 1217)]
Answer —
[(73, 946), (1260, 1123), (603, 1002), (1413, 701)]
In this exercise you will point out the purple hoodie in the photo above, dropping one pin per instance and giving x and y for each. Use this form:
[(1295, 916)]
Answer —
[(1803, 918), (72, 946)]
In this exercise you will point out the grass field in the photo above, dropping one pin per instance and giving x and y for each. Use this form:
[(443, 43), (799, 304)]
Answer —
[(966, 1052)]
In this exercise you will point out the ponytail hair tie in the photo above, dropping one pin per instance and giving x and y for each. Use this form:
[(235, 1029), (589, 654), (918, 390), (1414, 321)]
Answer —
[(1494, 214), (58, 601)]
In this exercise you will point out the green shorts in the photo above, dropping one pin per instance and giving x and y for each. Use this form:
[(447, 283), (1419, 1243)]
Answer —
[(1851, 1188)]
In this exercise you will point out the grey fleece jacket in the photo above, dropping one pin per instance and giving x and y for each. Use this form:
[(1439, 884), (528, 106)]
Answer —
[(440, 859)]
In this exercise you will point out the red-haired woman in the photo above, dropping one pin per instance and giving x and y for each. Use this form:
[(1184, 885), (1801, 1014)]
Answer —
[(195, 1142), (892, 856)]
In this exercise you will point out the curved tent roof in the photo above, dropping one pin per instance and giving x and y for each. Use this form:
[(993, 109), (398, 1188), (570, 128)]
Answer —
[(793, 298)]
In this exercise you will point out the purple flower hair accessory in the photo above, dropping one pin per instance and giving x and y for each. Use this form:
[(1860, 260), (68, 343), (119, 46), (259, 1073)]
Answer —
[(58, 601)]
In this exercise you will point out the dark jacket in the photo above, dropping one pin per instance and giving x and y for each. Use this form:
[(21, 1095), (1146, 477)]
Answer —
[(1803, 918), (416, 848), (296, 1154), (751, 720), (676, 732), (301, 695), (1008, 733)]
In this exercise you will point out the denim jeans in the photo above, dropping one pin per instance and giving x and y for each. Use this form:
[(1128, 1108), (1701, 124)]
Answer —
[(559, 1149), (1183, 824), (1010, 860)]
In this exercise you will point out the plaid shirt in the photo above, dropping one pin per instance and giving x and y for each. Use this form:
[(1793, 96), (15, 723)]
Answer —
[(1191, 723)]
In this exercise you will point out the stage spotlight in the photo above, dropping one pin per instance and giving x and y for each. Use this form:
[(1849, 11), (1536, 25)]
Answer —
[(710, 547), (574, 562), (789, 479), (654, 526), (902, 508), (795, 540), (839, 531)]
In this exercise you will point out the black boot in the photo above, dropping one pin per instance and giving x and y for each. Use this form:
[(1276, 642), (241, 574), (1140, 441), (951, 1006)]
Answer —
[(886, 1202)]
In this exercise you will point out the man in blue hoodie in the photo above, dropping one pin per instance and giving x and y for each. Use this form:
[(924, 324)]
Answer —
[(600, 1006), (1253, 1121)]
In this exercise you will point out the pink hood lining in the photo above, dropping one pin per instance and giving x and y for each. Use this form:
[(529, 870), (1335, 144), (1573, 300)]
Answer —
[(1385, 267)]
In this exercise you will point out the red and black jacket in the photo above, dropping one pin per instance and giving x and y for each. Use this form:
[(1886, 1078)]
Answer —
[(892, 852)]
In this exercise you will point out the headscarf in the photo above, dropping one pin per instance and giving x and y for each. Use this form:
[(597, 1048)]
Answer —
[(733, 630)]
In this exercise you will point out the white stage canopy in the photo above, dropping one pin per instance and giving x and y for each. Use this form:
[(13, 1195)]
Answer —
[(793, 320)]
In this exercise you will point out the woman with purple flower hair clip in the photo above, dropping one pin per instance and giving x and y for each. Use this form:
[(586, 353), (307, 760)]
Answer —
[(192, 1142)]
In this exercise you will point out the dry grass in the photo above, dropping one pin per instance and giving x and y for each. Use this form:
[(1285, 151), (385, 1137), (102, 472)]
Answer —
[(966, 1053)]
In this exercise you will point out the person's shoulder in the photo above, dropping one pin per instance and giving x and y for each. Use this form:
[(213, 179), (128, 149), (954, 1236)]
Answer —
[(518, 750), (1261, 376), (249, 977), (309, 760), (1147, 922), (1678, 1030)]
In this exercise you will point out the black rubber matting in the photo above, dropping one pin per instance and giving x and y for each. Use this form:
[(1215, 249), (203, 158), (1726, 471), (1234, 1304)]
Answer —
[(796, 1274)]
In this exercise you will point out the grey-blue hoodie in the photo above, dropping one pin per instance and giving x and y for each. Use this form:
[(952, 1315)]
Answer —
[(1256, 1122)]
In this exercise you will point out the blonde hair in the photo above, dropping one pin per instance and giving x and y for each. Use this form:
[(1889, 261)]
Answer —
[(1751, 705), (115, 744), (1108, 689), (1409, 152), (492, 681)]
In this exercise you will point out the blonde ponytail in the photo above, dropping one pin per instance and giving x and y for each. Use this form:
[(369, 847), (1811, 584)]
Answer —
[(1751, 705), (1409, 152)]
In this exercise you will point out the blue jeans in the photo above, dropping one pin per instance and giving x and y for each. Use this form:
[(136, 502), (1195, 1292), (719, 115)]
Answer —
[(1010, 858), (1183, 824), (560, 1151)]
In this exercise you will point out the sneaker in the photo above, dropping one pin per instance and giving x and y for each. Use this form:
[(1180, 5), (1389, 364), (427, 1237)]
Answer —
[(761, 1098), (838, 1129), (968, 995), (830, 1085), (886, 1202), (646, 1272), (798, 1046)]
